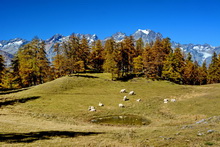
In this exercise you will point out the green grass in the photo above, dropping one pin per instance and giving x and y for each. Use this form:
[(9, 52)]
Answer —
[(62, 105)]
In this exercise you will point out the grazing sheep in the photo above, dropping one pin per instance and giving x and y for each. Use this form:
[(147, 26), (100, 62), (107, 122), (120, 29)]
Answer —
[(125, 98), (100, 104), (123, 91), (121, 105), (92, 108), (138, 100), (173, 100), (165, 100), (131, 93)]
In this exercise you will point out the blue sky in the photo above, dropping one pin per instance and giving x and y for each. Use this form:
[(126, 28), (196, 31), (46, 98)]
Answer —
[(184, 21)]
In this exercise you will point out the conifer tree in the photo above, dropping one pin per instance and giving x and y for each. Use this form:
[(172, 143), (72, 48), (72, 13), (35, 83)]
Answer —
[(213, 70), (202, 74), (17, 81), (189, 71), (44, 71), (138, 65), (84, 51), (173, 67), (139, 48), (58, 61), (33, 64), (154, 57), (2, 68), (72, 54), (127, 55), (97, 56), (110, 65)]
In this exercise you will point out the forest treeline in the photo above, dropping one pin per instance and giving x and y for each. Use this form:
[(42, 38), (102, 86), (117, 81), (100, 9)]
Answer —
[(156, 61)]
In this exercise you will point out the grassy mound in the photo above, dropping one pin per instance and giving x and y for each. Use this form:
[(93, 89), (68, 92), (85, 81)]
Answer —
[(62, 105)]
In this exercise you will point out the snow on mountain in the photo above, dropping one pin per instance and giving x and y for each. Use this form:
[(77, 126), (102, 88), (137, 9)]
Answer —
[(199, 52), (12, 45), (60, 38), (146, 35), (7, 57), (118, 37)]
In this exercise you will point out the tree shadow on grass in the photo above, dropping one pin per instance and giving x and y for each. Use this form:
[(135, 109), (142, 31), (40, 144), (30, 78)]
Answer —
[(15, 101), (84, 76), (8, 91), (43, 135)]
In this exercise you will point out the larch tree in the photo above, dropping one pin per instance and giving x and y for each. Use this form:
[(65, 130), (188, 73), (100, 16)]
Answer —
[(84, 52), (127, 55), (173, 67), (139, 47), (110, 65), (43, 64), (17, 81), (2, 68), (97, 56), (138, 65), (213, 70), (58, 61)]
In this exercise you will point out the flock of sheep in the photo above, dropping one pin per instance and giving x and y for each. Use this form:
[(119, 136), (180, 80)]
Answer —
[(125, 98)]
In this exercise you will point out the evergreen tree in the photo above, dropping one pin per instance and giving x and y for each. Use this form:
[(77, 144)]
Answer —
[(58, 61), (202, 75), (173, 67), (33, 64), (97, 56), (155, 56), (17, 81), (139, 48), (44, 70), (213, 70), (188, 71), (73, 54), (138, 65), (84, 51), (127, 55), (110, 65), (2, 68)]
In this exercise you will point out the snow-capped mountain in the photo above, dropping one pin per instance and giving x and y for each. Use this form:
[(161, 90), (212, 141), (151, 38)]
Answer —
[(60, 38), (12, 45), (146, 35), (199, 52), (118, 37), (7, 57)]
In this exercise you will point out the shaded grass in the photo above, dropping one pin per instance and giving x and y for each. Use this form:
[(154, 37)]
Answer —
[(35, 136)]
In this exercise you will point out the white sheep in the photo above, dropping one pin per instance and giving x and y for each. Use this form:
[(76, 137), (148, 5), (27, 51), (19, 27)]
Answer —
[(92, 108), (121, 105), (100, 104), (131, 93), (165, 101), (123, 91), (138, 100), (173, 100), (125, 98)]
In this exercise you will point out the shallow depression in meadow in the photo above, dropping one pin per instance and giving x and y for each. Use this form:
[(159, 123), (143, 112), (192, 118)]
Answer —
[(121, 120)]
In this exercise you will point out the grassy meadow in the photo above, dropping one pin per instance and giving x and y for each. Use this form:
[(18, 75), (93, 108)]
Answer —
[(56, 113)]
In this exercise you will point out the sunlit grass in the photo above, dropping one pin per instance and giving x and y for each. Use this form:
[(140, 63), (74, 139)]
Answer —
[(63, 105)]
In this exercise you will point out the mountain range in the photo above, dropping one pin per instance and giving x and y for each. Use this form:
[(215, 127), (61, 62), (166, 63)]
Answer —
[(200, 53)]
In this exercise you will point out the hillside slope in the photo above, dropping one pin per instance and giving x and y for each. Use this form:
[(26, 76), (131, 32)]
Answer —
[(57, 111)]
